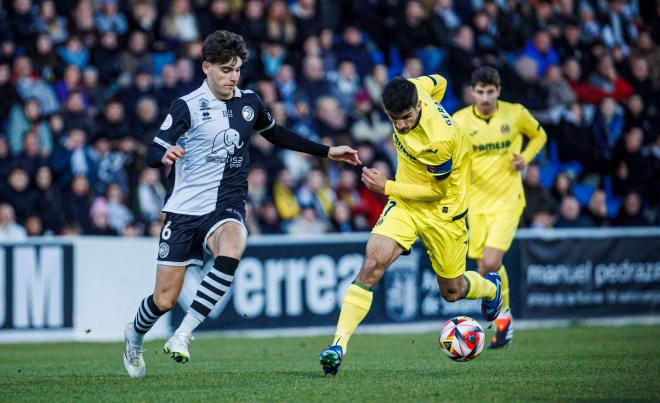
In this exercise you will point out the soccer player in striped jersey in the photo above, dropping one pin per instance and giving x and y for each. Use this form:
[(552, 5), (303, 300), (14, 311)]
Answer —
[(205, 138), (495, 130)]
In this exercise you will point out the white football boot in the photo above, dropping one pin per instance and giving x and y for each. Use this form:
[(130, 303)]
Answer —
[(177, 347), (133, 360)]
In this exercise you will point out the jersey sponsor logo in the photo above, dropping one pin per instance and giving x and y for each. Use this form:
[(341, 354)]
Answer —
[(167, 123), (163, 250), (500, 145), (203, 104), (505, 129), (248, 113), (220, 152), (398, 145)]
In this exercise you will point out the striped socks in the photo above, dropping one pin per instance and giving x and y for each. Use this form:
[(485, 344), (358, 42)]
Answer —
[(147, 315), (214, 286)]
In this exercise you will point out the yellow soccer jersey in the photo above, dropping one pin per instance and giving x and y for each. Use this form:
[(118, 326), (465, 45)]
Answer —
[(433, 170), (495, 185)]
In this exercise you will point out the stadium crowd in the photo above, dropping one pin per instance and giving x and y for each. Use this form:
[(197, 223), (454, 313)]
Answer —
[(85, 84)]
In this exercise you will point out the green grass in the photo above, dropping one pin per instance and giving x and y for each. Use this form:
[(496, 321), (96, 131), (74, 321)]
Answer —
[(574, 363)]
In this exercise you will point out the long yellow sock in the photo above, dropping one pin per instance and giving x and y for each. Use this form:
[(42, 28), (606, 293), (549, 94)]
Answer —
[(479, 287), (354, 308), (505, 287)]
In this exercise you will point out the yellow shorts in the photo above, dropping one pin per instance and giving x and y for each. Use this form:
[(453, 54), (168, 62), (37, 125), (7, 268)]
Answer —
[(445, 241), (495, 230)]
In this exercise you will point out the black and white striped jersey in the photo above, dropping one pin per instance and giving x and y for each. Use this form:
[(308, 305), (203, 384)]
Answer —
[(216, 136)]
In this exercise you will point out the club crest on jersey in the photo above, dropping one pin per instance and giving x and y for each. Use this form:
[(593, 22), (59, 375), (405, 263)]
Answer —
[(505, 129), (163, 250), (167, 123), (203, 104), (248, 113)]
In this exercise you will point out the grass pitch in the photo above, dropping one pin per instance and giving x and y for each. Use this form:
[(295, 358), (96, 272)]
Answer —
[(574, 363)]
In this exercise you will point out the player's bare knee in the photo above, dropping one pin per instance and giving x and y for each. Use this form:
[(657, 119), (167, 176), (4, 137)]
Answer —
[(164, 300), (371, 272)]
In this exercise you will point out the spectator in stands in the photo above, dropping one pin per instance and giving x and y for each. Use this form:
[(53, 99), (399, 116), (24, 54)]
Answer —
[(575, 141), (257, 186), (597, 209), (119, 216), (306, 17), (464, 59), (353, 47), (179, 24), (24, 22), (541, 51), (486, 37), (71, 81), (345, 84), (75, 114), (31, 86), (100, 224), (106, 57), (9, 230), (19, 194), (561, 187), (284, 195), (558, 89), (369, 122), (631, 214), (49, 200), (95, 93), (25, 119), (31, 157), (110, 19), (219, 15), (523, 85), (314, 83), (630, 164), (143, 17), (46, 62), (77, 202), (8, 94), (607, 126), (539, 200), (341, 218), (330, 120), (570, 215), (151, 195), (280, 25), (146, 123), (74, 52), (268, 220), (142, 86), (608, 80), (51, 24), (34, 226), (136, 56), (375, 82), (83, 21), (308, 223), (113, 123), (638, 115), (70, 157), (5, 159)]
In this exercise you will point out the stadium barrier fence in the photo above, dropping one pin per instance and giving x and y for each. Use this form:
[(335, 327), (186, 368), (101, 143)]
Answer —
[(87, 288)]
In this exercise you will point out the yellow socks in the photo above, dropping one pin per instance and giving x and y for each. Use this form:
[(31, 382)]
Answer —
[(505, 287), (479, 287), (354, 308)]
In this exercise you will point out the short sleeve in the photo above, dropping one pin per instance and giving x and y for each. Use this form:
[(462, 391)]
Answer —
[(265, 119), (434, 84), (176, 123)]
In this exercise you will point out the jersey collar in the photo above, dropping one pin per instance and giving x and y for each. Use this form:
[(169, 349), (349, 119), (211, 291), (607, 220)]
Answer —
[(486, 119)]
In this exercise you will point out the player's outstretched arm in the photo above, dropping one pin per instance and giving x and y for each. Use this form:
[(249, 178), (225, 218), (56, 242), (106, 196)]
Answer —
[(283, 137), (376, 181)]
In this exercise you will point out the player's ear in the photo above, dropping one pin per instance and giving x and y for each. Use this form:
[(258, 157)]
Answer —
[(419, 104), (205, 67)]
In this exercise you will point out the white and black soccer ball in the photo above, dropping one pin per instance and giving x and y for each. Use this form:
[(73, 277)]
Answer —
[(462, 338)]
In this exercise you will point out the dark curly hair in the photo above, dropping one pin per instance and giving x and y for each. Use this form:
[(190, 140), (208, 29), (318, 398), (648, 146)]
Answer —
[(399, 95), (223, 46)]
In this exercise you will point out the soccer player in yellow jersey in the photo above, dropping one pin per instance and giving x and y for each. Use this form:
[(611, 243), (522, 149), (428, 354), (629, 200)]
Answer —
[(494, 130), (428, 199)]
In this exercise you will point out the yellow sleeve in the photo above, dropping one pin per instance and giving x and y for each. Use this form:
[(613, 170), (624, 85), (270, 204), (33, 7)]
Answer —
[(434, 187), (434, 84), (531, 128)]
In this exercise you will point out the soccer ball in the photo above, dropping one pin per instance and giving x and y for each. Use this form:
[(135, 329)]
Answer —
[(462, 338)]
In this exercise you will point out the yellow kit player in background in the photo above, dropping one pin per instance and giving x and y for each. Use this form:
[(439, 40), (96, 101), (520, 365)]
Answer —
[(428, 199), (494, 130)]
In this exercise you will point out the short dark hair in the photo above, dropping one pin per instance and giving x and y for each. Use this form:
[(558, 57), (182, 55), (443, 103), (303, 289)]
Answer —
[(399, 95), (485, 75), (224, 46)]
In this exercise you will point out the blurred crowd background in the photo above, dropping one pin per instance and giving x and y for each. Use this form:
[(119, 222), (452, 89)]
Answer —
[(84, 86)]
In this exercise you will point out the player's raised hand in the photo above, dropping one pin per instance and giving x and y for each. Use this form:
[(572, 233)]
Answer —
[(344, 154), (374, 179), (518, 162), (172, 154)]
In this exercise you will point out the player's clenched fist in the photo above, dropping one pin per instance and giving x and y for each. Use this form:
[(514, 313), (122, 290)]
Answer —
[(172, 154)]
